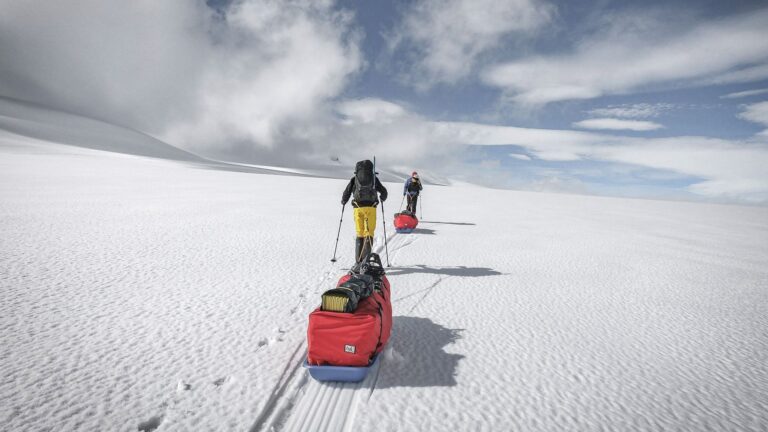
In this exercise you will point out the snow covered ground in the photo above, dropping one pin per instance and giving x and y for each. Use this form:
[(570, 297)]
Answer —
[(151, 294)]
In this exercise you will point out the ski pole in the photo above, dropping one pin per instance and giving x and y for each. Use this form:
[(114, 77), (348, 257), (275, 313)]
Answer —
[(421, 213), (401, 204), (384, 223), (338, 233)]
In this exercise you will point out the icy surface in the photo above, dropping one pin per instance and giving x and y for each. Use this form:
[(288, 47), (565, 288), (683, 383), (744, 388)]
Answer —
[(148, 294)]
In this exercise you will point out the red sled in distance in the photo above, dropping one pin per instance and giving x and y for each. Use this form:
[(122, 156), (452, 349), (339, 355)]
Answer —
[(405, 222)]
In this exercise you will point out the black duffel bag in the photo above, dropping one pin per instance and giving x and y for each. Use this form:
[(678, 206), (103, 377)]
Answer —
[(344, 298)]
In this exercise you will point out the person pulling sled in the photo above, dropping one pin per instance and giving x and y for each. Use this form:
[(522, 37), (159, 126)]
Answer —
[(363, 188), (411, 190)]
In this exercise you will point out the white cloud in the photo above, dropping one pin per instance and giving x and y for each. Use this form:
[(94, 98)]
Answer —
[(559, 183), (369, 110), (746, 190), (641, 110), (262, 81), (617, 124), (443, 39), (739, 164), (717, 162), (744, 94), (247, 84), (281, 64), (744, 75), (490, 164), (757, 113), (136, 63), (719, 168), (623, 59), (373, 126), (520, 156)]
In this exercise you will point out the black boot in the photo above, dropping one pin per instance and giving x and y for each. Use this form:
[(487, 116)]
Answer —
[(359, 249), (367, 245)]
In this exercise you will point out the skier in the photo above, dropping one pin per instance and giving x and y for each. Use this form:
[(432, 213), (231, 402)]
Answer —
[(412, 189), (363, 186)]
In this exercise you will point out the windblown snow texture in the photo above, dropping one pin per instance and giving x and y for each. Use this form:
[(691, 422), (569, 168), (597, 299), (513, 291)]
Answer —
[(147, 294)]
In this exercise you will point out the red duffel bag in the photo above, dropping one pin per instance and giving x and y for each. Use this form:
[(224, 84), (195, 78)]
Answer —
[(351, 339), (405, 221)]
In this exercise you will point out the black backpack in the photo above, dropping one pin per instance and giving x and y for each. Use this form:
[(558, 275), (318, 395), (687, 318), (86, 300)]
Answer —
[(365, 183), (414, 186)]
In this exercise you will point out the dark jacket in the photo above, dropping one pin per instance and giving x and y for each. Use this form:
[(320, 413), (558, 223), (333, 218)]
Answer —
[(412, 187), (351, 189)]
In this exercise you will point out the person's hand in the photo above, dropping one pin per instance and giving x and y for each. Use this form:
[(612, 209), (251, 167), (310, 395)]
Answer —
[(343, 202)]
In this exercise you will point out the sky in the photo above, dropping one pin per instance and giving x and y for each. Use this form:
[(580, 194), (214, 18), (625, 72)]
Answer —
[(655, 99)]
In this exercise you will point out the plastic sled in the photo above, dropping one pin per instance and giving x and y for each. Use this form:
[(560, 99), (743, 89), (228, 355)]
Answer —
[(340, 373)]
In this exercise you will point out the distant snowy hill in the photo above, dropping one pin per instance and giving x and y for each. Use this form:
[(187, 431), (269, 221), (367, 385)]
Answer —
[(50, 125), (54, 126), (147, 293)]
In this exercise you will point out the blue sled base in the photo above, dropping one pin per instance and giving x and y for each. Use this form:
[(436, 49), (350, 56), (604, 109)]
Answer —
[(340, 373), (405, 230)]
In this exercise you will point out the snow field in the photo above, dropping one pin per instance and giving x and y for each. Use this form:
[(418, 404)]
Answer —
[(149, 294), (608, 313), (103, 317)]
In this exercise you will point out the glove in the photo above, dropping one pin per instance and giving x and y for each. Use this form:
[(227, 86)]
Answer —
[(403, 193), (343, 202)]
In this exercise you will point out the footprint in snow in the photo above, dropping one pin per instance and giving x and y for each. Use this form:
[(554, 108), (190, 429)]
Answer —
[(151, 424)]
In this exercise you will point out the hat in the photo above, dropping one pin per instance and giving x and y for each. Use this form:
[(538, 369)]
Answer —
[(415, 174)]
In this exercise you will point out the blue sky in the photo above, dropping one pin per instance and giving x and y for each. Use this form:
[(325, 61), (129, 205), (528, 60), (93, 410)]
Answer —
[(694, 110), (655, 99), (674, 107)]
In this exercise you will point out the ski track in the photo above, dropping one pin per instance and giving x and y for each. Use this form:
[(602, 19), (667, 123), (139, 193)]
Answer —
[(427, 291), (300, 403), (291, 377)]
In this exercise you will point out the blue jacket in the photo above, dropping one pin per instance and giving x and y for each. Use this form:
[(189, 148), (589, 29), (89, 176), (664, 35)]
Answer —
[(411, 187)]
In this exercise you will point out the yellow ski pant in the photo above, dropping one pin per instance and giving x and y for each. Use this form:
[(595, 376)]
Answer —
[(365, 221)]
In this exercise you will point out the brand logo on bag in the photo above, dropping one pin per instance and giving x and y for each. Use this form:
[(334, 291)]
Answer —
[(349, 348)]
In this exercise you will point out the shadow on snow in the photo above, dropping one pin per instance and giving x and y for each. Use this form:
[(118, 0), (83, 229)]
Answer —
[(462, 271), (423, 231), (449, 223), (418, 358)]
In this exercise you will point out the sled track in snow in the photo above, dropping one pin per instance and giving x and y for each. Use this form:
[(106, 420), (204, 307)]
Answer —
[(291, 378), (299, 403), (329, 406)]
